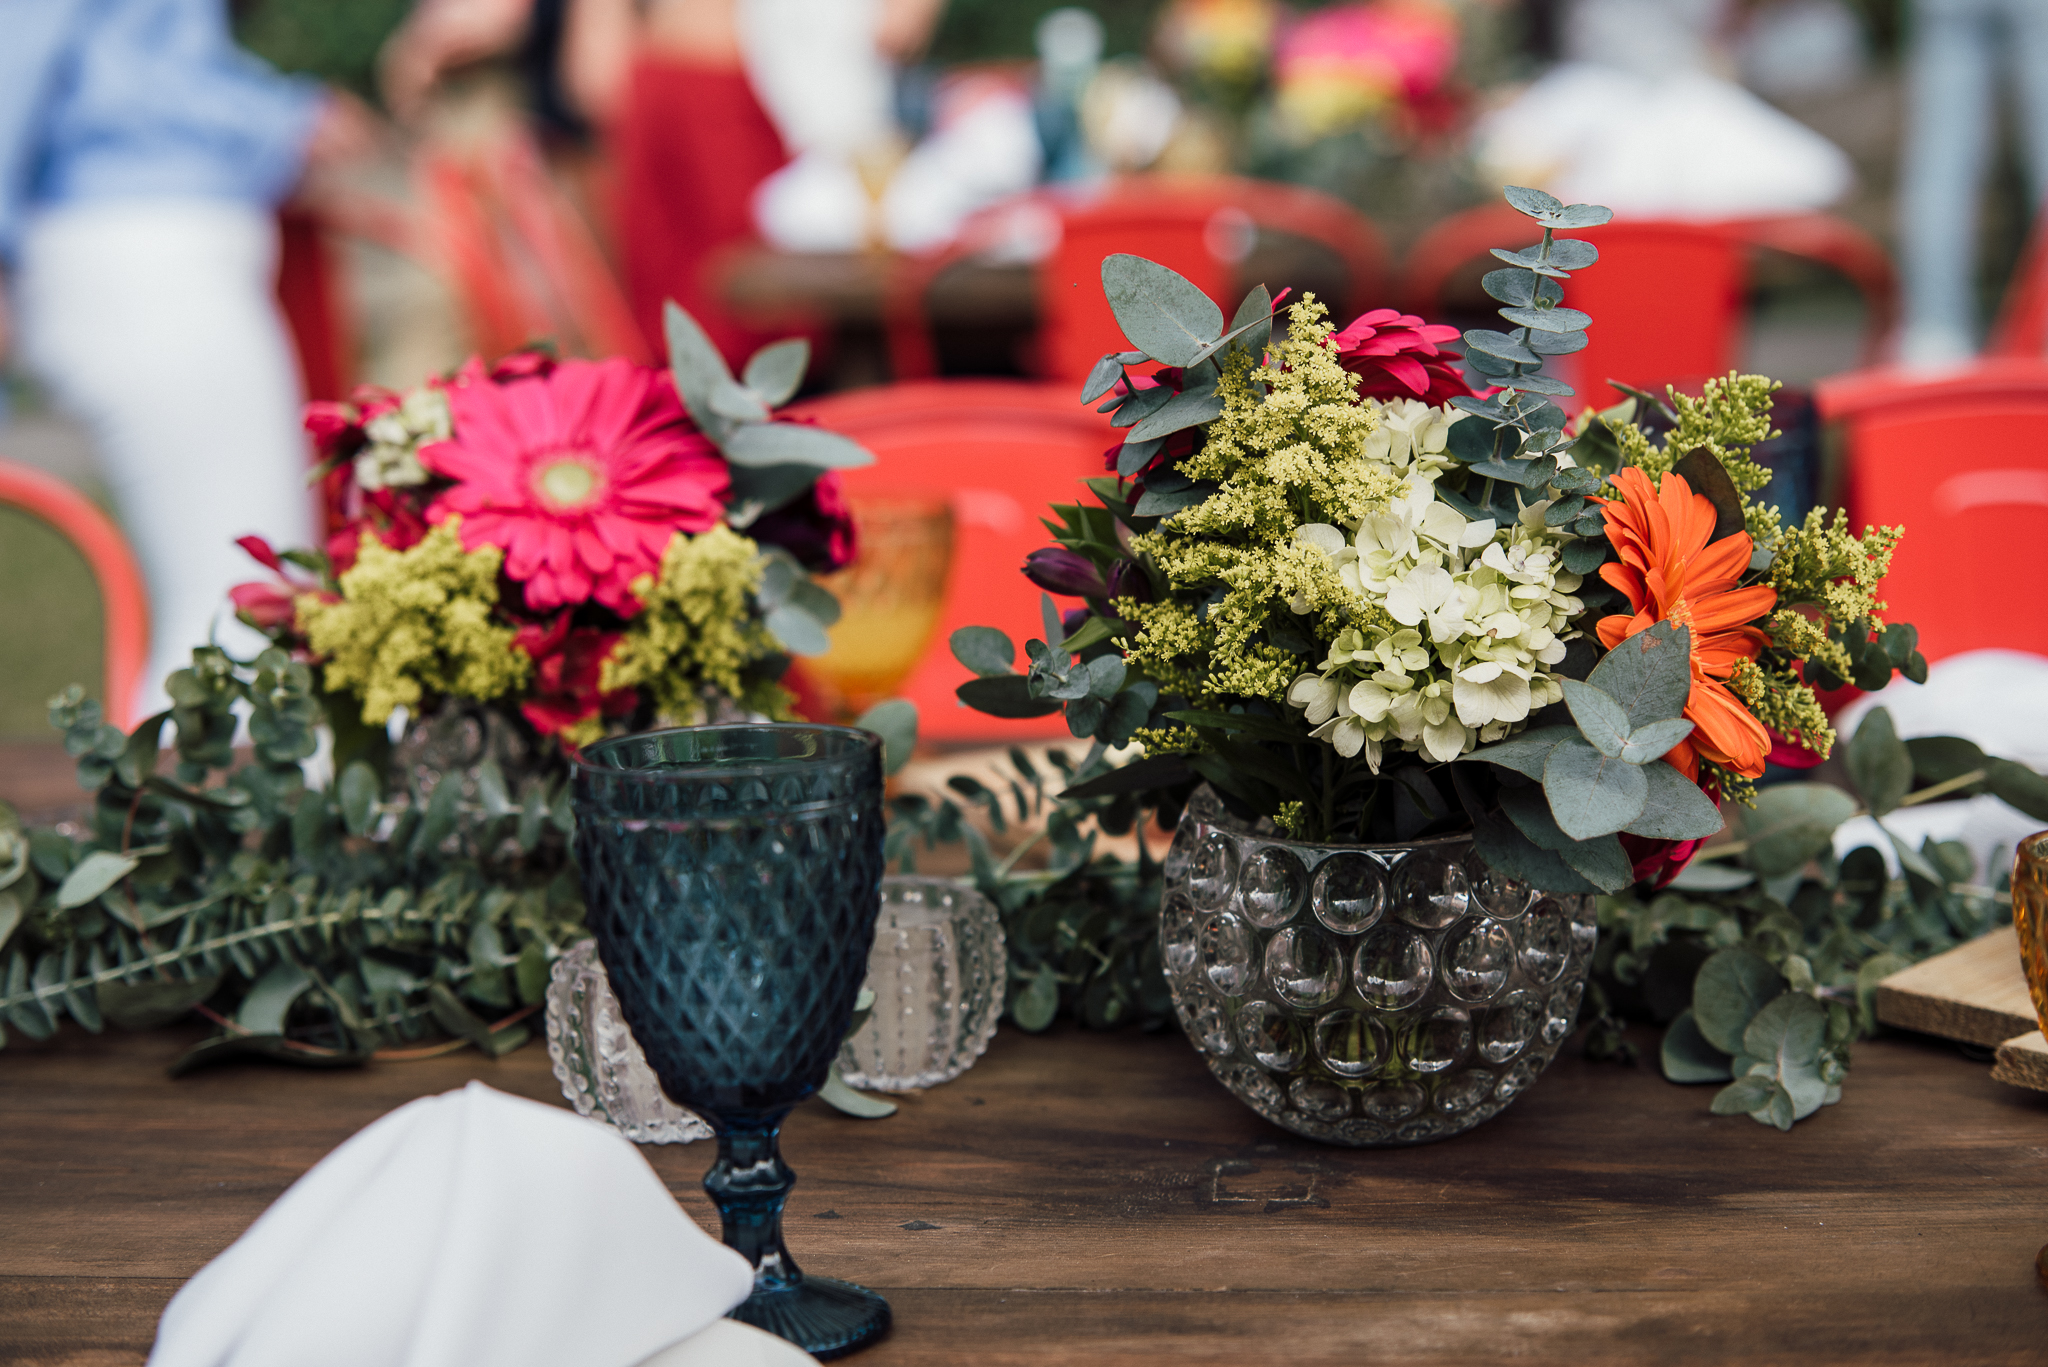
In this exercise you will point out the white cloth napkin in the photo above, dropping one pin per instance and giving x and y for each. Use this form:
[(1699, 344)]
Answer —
[(471, 1227)]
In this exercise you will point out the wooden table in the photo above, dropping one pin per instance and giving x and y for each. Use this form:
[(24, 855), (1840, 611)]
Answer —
[(1097, 1199)]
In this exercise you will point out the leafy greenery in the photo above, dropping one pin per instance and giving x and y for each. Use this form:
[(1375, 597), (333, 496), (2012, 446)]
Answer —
[(1764, 955), (1082, 931), (314, 924)]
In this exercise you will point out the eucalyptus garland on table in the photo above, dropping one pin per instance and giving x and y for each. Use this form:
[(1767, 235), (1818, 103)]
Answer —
[(1763, 958)]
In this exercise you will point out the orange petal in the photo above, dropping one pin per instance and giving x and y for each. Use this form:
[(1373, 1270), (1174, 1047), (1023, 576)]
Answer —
[(1734, 608)]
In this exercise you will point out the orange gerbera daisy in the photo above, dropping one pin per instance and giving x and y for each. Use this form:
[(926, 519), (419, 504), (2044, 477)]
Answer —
[(1671, 574)]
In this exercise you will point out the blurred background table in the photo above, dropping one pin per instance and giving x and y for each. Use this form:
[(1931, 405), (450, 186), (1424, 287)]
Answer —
[(1097, 1199)]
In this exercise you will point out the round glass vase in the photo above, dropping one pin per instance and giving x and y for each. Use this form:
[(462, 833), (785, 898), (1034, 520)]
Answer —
[(1372, 996)]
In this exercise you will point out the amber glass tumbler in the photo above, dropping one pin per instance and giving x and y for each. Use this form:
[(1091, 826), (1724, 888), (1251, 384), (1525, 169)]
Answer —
[(2030, 916)]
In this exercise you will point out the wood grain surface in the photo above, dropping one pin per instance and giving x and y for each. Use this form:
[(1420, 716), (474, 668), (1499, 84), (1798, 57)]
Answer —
[(1098, 1199), (2023, 1062), (1976, 992)]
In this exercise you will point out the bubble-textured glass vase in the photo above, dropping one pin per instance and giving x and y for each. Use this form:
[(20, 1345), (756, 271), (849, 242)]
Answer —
[(732, 875), (602, 1071), (937, 972), (1370, 996)]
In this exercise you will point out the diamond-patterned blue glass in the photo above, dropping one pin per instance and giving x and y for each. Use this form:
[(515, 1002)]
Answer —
[(733, 875)]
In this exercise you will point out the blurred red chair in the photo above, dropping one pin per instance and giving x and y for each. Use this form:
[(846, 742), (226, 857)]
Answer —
[(1001, 450), (1666, 297), (1959, 461), (124, 602), (2021, 328), (1201, 227), (309, 292)]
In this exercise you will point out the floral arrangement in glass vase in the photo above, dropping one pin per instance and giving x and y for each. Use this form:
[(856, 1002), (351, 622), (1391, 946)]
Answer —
[(587, 544), (1366, 600)]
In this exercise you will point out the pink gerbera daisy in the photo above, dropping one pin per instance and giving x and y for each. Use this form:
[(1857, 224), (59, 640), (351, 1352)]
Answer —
[(1396, 356), (581, 476)]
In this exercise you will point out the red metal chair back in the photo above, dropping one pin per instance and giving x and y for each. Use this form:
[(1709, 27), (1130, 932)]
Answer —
[(1002, 450), (124, 601), (2021, 328), (1198, 226), (1667, 298), (1960, 462)]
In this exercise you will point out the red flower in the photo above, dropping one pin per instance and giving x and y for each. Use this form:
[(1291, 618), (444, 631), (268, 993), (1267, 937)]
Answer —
[(567, 663), (581, 476), (1395, 356), (816, 528), (270, 607), (1790, 754)]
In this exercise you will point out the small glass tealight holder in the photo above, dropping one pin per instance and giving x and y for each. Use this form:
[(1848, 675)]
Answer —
[(937, 970), (599, 1064)]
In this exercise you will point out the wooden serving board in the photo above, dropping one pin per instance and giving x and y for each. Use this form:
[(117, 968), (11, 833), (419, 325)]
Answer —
[(1976, 993)]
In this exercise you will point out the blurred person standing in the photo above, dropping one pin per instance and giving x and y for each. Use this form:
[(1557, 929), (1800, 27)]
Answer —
[(1960, 50), (141, 157)]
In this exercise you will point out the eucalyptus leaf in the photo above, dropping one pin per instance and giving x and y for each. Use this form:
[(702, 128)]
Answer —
[(1787, 1034), (1160, 311), (1732, 987), (1548, 320), (357, 791), (1879, 764), (158, 1001), (1526, 753), (1676, 809), (776, 371), (844, 1099), (1745, 1096), (93, 875), (1155, 504), (1535, 203), (1007, 695), (815, 599), (1034, 1007), (269, 1001), (2018, 786), (1500, 345), (1134, 456), (1511, 854), (1706, 875), (1649, 674), (1102, 377), (895, 721), (1791, 823), (1601, 861), (697, 366), (796, 630), (1514, 286), (1530, 811), (1703, 472), (1592, 794), (1537, 384), (1653, 741), (1558, 343), (1186, 409), (730, 399), (1937, 759), (1531, 259), (1687, 1056), (1578, 216), (764, 444), (985, 650), (1602, 720)]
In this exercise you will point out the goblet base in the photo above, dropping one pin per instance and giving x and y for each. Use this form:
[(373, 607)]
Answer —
[(825, 1317)]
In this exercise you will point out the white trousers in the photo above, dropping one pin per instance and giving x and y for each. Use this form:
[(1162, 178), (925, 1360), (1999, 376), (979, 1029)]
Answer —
[(156, 323)]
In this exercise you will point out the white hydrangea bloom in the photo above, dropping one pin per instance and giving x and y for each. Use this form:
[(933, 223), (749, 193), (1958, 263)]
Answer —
[(392, 457), (1482, 611)]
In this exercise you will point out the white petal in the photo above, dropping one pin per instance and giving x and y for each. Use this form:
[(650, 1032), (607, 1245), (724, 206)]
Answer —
[(1485, 671), (1445, 741), (1478, 533), (1349, 738), (1403, 605), (1321, 535), (1370, 701)]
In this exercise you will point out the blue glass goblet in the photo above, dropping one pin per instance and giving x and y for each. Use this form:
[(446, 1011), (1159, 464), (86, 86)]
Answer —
[(732, 876)]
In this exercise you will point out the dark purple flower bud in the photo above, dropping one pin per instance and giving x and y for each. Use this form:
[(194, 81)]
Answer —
[(1069, 573), (1129, 580), (1073, 619)]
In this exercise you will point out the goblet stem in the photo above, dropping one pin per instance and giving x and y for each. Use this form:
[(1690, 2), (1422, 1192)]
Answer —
[(749, 1184)]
